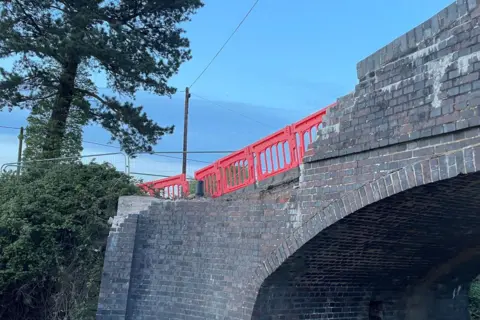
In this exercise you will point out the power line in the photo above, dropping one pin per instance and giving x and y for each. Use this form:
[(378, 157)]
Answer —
[(154, 154), (100, 144), (110, 146), (7, 127), (223, 46), (150, 174), (232, 110), (172, 157)]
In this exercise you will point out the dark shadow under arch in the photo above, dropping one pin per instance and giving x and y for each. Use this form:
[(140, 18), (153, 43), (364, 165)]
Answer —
[(413, 253)]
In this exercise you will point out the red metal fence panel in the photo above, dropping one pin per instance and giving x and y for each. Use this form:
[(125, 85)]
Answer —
[(210, 175), (275, 154), (236, 170), (168, 188), (306, 129)]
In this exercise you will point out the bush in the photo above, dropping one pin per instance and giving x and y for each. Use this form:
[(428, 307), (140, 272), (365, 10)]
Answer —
[(54, 223), (474, 299)]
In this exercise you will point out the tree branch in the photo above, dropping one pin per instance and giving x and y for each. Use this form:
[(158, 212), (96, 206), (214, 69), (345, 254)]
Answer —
[(35, 25), (92, 94), (48, 96)]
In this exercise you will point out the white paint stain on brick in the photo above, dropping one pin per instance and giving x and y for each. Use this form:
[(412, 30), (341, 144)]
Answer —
[(127, 206), (393, 86), (414, 56), (425, 51), (324, 133), (464, 62), (119, 220), (436, 70), (297, 220), (336, 127), (302, 173), (428, 50), (294, 213)]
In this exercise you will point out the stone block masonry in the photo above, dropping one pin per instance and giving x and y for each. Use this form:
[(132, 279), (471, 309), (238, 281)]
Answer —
[(382, 221)]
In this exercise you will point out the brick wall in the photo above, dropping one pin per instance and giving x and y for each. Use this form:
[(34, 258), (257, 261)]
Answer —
[(207, 259), (410, 251), (423, 84), (382, 218), (117, 269)]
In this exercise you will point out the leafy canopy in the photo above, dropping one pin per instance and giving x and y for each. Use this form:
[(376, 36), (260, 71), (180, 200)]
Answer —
[(60, 44), (54, 225), (36, 131)]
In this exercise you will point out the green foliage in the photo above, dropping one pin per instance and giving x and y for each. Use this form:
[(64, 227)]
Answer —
[(192, 187), (37, 128), (474, 299), (54, 223), (61, 44)]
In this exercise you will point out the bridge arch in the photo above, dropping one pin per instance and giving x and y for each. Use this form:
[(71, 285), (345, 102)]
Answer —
[(321, 271)]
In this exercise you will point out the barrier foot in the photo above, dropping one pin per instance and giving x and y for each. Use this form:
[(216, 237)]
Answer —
[(199, 190)]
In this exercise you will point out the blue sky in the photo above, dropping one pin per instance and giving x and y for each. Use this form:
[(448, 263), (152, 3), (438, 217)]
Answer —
[(286, 61)]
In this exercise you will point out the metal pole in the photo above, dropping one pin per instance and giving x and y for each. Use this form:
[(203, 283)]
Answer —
[(150, 174), (20, 147), (185, 131), (127, 163)]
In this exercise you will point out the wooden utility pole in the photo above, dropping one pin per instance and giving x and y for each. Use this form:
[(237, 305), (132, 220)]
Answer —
[(20, 147), (185, 131)]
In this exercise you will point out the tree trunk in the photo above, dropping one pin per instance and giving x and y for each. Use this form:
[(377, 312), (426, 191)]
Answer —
[(61, 108)]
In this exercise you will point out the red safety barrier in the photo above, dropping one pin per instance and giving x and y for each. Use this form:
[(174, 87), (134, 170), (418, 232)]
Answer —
[(275, 154), (236, 170), (210, 176), (307, 128), (279, 152), (168, 188)]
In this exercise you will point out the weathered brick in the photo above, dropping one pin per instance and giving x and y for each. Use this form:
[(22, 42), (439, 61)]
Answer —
[(417, 119), (379, 188)]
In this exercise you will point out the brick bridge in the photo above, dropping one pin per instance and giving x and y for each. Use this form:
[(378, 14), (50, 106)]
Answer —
[(382, 220)]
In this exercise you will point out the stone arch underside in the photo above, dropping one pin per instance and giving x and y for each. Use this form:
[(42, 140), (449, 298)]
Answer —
[(410, 255)]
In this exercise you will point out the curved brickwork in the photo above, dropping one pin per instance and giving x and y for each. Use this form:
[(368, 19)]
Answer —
[(321, 212), (381, 221), (426, 238)]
